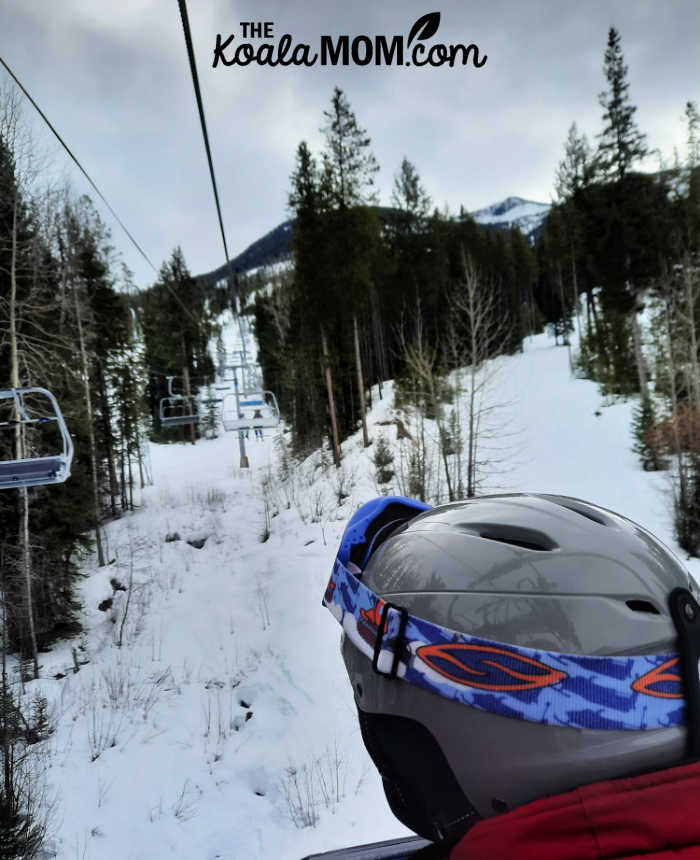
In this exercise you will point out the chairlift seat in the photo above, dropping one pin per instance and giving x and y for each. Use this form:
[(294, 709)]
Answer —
[(30, 473), (185, 409), (179, 420)]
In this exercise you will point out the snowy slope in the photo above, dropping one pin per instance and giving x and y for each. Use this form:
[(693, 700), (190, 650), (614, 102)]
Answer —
[(224, 722)]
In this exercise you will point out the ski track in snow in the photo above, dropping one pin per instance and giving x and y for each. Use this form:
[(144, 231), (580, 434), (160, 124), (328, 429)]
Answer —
[(180, 743)]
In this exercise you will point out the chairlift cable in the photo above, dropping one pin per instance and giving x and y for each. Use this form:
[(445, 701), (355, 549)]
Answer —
[(202, 120), (200, 107), (92, 183), (79, 165)]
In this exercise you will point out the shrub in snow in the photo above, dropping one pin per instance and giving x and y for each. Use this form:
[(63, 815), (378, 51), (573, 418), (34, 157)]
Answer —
[(383, 459), (343, 482), (309, 786)]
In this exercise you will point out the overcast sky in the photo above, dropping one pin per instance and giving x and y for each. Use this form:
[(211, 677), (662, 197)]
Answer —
[(113, 78)]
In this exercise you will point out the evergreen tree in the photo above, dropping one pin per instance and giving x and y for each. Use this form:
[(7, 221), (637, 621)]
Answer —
[(177, 327), (621, 142), (575, 170), (349, 167), (647, 445)]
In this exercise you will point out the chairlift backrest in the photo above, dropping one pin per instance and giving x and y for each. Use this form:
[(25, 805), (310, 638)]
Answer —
[(262, 403), (34, 471), (178, 410)]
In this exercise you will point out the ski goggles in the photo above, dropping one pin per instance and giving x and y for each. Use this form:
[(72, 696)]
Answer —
[(615, 693)]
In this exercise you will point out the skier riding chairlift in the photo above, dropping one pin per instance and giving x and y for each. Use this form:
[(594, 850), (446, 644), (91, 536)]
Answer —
[(266, 412), (258, 416)]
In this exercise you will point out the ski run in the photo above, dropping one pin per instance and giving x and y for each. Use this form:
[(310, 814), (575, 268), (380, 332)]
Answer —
[(224, 725)]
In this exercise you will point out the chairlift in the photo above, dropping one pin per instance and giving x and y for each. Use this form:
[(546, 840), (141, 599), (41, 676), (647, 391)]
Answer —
[(262, 404), (178, 410), (35, 471)]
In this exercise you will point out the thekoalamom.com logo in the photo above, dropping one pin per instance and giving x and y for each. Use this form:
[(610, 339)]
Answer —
[(344, 51)]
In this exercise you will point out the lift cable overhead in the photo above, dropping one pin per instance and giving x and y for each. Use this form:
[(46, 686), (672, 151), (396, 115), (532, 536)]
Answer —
[(79, 165), (97, 190)]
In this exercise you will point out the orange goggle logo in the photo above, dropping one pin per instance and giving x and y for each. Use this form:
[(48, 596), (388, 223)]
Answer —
[(489, 668), (648, 684)]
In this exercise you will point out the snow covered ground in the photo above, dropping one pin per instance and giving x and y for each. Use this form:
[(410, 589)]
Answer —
[(223, 727)]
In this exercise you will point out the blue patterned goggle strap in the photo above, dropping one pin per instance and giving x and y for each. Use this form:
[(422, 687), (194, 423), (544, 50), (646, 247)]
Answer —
[(616, 693)]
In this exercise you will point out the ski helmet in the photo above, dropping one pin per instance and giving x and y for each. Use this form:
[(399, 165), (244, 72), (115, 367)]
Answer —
[(510, 647)]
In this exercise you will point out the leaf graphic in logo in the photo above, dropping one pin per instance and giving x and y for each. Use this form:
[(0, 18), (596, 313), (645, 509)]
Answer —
[(425, 27)]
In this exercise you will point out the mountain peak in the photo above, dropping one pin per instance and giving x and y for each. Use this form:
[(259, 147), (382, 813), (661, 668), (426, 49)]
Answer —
[(527, 215)]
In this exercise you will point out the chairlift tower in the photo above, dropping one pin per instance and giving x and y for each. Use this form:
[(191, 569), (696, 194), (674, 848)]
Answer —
[(241, 437)]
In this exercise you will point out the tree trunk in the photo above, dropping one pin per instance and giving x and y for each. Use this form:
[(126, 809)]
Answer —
[(639, 357), (360, 384), (574, 282), (331, 401), (690, 299), (108, 437), (93, 446), (682, 478), (188, 394), (19, 447)]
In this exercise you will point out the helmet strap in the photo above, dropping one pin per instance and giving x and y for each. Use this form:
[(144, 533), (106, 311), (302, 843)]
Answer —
[(685, 613)]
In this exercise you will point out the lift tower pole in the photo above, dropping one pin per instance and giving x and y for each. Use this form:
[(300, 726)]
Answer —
[(241, 437)]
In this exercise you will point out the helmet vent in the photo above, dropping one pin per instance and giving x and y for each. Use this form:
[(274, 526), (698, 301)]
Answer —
[(513, 535), (642, 606), (584, 510)]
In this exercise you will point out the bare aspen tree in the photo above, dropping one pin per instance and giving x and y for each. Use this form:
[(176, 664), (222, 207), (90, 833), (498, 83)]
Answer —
[(482, 330), (421, 361), (360, 384), (331, 399), (91, 429), (31, 351), (188, 395)]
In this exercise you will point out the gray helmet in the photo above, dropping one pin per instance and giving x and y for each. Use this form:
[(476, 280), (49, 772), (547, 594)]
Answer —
[(533, 570)]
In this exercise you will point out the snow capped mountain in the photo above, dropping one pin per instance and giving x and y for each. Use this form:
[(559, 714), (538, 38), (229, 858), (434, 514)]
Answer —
[(527, 215), (276, 245)]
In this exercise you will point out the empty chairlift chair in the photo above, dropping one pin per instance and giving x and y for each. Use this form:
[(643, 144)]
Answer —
[(263, 402), (178, 410), (33, 408)]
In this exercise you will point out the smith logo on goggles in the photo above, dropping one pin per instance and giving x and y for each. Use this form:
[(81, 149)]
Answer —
[(617, 693)]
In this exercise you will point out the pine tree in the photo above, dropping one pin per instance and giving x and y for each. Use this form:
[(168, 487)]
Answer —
[(383, 459), (621, 142), (646, 445), (177, 327), (575, 170), (348, 163)]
